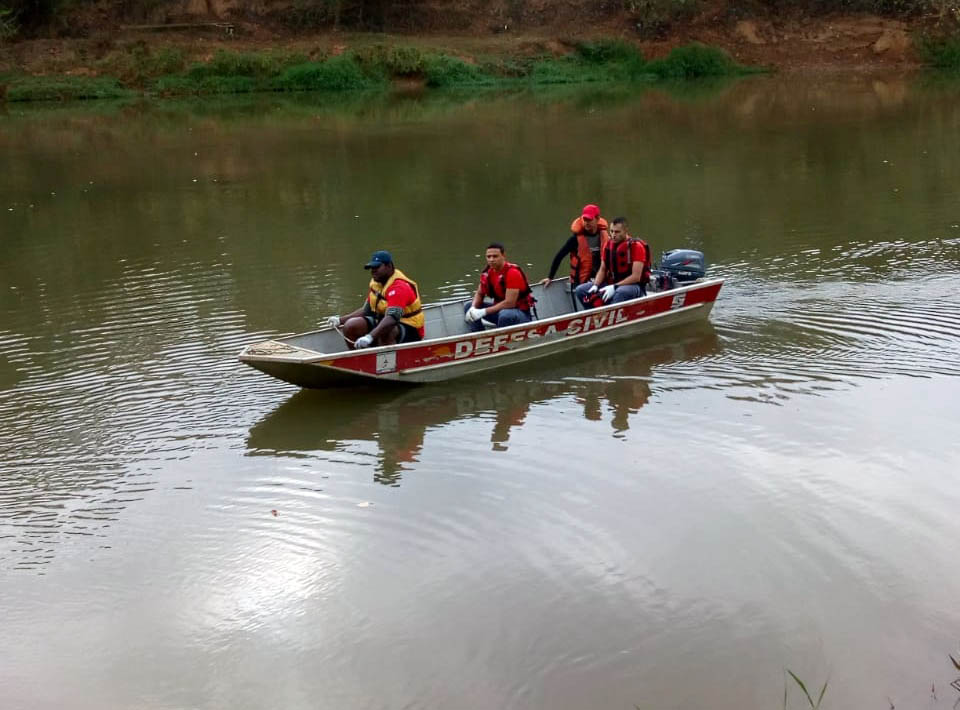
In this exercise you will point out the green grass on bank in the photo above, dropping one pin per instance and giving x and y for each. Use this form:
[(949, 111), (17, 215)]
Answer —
[(166, 72), (940, 52), (44, 88)]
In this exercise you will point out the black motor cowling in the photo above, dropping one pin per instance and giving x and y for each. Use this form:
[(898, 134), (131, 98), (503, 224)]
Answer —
[(684, 264)]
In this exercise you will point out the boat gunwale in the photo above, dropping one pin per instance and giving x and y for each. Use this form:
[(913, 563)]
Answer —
[(551, 342)]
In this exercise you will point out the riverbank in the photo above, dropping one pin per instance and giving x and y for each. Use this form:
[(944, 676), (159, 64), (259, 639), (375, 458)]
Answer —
[(217, 55), (168, 72)]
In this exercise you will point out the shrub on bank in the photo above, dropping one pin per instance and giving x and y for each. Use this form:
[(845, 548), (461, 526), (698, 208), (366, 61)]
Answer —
[(607, 51), (440, 70), (556, 71), (185, 85), (138, 63), (940, 52), (372, 67), (252, 64), (572, 70), (382, 62), (694, 61), (335, 74), (41, 88)]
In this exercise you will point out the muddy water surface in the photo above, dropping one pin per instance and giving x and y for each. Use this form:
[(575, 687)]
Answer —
[(665, 523)]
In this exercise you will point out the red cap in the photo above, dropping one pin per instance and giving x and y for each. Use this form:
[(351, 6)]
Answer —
[(591, 211)]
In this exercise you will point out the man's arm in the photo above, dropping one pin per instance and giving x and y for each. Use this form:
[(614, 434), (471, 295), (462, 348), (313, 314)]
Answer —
[(636, 267), (478, 297), (568, 248), (510, 297), (601, 275), (635, 277)]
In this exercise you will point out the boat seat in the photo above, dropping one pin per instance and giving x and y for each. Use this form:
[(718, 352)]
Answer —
[(445, 319)]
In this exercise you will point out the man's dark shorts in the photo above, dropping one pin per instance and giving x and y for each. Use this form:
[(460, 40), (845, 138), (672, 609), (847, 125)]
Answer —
[(407, 334)]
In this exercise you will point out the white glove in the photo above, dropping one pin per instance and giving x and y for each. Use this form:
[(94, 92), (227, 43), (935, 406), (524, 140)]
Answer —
[(593, 289), (333, 321), (607, 292), (364, 341), (474, 314)]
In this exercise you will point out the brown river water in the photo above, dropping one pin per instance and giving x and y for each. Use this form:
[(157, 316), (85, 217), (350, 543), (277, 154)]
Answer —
[(667, 522)]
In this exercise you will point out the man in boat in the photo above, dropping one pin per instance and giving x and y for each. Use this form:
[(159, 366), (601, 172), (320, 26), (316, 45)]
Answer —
[(589, 234), (392, 313), (503, 297), (624, 269)]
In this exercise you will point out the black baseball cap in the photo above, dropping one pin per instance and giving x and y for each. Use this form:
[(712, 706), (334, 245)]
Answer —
[(378, 258)]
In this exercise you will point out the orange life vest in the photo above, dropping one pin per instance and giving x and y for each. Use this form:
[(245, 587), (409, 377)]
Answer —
[(412, 314), (582, 267), (619, 259), (493, 284)]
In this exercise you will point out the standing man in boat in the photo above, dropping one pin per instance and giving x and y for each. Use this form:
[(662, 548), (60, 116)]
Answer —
[(392, 313), (624, 269), (588, 236), (506, 288)]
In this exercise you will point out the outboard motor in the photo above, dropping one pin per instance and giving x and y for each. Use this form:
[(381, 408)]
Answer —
[(683, 264)]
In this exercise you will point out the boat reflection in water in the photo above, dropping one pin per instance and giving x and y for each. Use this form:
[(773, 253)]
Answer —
[(397, 419)]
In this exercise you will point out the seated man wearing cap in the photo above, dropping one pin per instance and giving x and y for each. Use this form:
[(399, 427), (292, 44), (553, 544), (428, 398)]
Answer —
[(588, 237), (506, 288), (391, 314)]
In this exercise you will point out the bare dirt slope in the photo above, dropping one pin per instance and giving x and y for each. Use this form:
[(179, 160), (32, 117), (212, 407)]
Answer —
[(504, 27)]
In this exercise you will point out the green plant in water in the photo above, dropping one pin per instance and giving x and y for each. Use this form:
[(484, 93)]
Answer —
[(806, 693)]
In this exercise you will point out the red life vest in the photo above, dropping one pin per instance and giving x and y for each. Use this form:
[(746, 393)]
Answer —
[(619, 259), (493, 284), (582, 267)]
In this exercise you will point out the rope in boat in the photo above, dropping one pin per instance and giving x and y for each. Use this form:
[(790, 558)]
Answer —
[(339, 329)]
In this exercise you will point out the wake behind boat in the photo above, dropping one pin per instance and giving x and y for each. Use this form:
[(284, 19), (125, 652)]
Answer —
[(319, 360)]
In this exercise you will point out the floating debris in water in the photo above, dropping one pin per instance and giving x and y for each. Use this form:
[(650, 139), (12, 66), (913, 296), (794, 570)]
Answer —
[(364, 504)]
